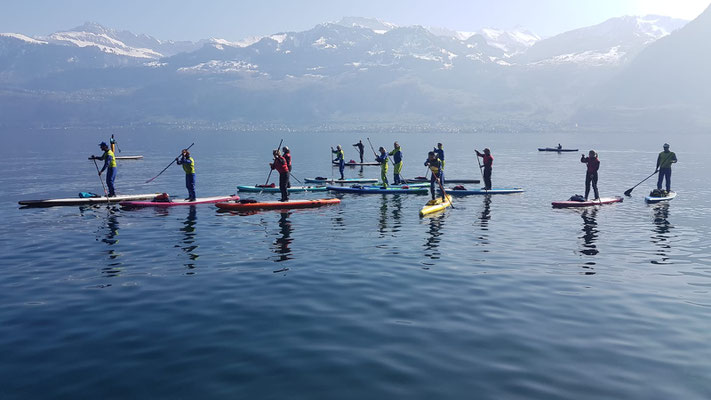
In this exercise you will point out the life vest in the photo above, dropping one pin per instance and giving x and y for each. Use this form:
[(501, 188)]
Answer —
[(280, 165), (397, 155), (339, 155), (435, 165), (189, 168), (109, 155), (666, 159)]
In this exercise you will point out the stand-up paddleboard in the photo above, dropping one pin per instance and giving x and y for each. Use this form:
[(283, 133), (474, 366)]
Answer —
[(377, 190), (436, 205), (357, 164), (446, 180), (124, 158), (179, 202), (588, 203), (556, 149), (245, 205), (466, 192), (275, 189), (349, 180), (82, 201), (402, 186), (666, 196)]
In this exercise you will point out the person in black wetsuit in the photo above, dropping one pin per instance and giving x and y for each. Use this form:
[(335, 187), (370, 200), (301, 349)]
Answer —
[(360, 148), (435, 165), (488, 164)]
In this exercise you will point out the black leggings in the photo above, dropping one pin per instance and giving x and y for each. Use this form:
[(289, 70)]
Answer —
[(487, 178), (284, 185), (591, 177)]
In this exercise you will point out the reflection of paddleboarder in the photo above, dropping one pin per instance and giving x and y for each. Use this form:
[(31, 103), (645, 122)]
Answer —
[(360, 148), (664, 162)]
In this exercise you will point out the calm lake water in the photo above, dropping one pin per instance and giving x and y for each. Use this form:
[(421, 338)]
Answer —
[(501, 297)]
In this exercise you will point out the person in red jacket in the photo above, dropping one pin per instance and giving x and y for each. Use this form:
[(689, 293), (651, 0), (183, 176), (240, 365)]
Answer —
[(591, 174), (282, 167), (488, 163), (287, 156)]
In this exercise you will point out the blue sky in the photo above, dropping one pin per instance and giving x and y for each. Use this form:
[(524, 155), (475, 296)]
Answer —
[(234, 20)]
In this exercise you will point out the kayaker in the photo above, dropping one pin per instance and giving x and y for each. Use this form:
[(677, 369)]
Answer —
[(109, 165), (591, 174), (435, 166), (281, 166), (439, 151), (287, 156), (360, 148), (560, 147), (488, 160), (188, 164), (397, 163), (383, 160), (664, 162), (340, 158)]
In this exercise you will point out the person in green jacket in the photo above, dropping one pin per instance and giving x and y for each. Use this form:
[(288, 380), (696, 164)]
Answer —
[(383, 160), (664, 162), (189, 167), (397, 163)]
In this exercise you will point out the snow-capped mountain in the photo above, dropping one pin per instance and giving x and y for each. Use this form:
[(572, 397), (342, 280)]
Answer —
[(609, 43), (373, 24), (510, 43)]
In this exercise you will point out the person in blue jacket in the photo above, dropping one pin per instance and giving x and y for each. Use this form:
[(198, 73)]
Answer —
[(435, 166), (397, 163), (109, 166), (340, 159), (188, 164)]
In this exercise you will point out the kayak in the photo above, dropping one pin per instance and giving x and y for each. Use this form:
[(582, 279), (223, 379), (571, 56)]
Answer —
[(555, 149), (655, 199), (178, 202), (277, 205), (465, 192), (82, 201), (356, 164), (349, 180), (588, 203), (125, 158), (435, 205), (423, 179), (377, 190), (276, 189)]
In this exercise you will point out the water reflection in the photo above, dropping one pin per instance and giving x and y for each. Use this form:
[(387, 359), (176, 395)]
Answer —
[(436, 223), (283, 242), (390, 213), (110, 230), (189, 245), (662, 229), (483, 222), (590, 234)]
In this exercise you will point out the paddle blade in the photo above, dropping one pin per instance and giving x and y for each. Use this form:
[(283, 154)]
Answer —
[(628, 192)]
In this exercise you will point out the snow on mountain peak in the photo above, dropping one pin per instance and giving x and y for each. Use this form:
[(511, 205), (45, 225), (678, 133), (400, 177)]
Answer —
[(373, 24), (23, 38)]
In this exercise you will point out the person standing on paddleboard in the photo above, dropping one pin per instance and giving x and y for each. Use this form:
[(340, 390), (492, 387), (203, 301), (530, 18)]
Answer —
[(340, 158), (188, 164), (488, 163), (591, 174), (435, 166), (397, 163), (281, 166), (360, 146), (383, 160), (287, 156), (439, 151), (109, 165), (664, 162)]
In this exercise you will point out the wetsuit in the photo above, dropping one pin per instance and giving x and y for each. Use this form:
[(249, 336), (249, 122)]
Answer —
[(436, 169), (664, 163), (340, 158), (383, 160), (397, 165), (440, 155), (282, 168), (188, 165), (110, 167), (591, 175), (488, 163), (360, 146)]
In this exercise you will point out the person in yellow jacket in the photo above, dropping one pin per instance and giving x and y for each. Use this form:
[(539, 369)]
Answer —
[(397, 163), (109, 166), (188, 164), (383, 160)]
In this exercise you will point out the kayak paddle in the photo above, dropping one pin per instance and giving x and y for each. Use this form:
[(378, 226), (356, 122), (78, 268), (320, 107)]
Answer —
[(164, 169)]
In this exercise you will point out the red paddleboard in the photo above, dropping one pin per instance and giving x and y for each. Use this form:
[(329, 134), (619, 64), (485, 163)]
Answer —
[(178, 202), (278, 205), (589, 203)]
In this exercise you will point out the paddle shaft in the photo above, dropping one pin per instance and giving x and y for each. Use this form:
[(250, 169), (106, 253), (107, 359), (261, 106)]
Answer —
[(166, 168), (441, 187), (478, 162), (386, 155), (271, 169), (106, 193)]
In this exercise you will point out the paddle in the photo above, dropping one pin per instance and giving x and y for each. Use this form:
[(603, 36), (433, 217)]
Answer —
[(441, 187), (297, 179), (106, 193), (271, 169), (478, 162), (628, 192), (164, 169)]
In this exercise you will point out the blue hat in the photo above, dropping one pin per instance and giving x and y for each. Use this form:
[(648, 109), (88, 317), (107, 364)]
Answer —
[(103, 144)]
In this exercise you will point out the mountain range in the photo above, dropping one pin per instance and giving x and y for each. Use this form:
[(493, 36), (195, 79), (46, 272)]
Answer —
[(360, 73)]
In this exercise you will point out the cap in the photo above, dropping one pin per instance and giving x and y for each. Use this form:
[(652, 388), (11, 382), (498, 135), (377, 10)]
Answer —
[(103, 144), (666, 145)]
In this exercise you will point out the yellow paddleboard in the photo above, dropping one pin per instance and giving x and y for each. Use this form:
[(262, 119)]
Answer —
[(436, 205)]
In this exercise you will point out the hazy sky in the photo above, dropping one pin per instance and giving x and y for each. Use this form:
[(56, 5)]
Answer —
[(237, 19)]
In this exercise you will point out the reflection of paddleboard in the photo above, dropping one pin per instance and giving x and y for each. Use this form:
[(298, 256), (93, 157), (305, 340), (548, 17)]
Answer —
[(589, 203), (270, 189), (435, 205), (277, 205), (378, 190), (555, 149), (178, 202), (81, 201), (348, 180), (465, 192), (654, 199)]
